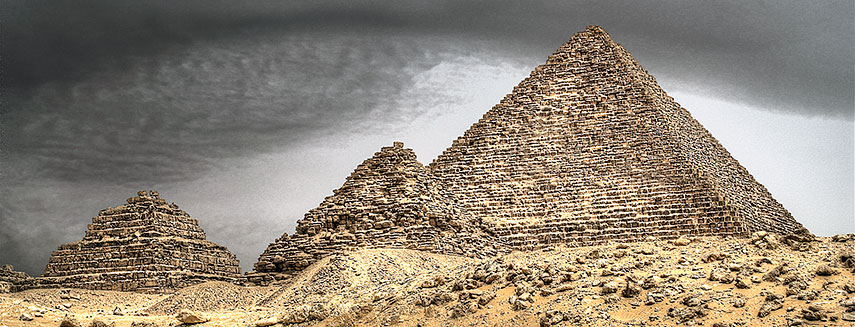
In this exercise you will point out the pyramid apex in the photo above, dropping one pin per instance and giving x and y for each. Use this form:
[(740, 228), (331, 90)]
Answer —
[(150, 193), (398, 144), (595, 28), (598, 30)]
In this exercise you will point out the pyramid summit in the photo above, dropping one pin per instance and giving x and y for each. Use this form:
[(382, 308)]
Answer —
[(389, 201), (590, 149), (143, 245)]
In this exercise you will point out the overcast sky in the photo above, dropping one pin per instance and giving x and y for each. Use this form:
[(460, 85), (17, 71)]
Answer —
[(248, 114)]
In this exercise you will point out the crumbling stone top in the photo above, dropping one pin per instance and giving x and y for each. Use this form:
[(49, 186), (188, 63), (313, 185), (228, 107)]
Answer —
[(389, 200)]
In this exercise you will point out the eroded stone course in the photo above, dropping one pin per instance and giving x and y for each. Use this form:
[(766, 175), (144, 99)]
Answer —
[(144, 245), (589, 149), (13, 281), (389, 201)]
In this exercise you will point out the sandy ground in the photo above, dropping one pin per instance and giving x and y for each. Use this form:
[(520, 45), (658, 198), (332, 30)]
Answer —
[(763, 281)]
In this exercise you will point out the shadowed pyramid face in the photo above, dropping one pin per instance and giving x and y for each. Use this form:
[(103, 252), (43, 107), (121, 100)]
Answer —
[(589, 148)]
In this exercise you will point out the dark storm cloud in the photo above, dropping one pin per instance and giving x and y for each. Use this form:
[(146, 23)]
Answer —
[(167, 116), (788, 56)]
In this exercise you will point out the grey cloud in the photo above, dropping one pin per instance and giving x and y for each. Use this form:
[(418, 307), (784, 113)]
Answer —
[(790, 56), (168, 116)]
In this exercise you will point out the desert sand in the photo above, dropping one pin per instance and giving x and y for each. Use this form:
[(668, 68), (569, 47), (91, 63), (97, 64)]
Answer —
[(765, 280)]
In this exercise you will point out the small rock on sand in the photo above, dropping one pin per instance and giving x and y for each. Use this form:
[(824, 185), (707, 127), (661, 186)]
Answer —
[(190, 317)]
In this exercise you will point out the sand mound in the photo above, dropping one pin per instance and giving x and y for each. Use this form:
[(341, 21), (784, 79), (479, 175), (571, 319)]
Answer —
[(210, 296)]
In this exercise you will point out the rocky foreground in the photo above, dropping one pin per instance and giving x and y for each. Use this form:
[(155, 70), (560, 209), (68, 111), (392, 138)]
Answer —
[(766, 280)]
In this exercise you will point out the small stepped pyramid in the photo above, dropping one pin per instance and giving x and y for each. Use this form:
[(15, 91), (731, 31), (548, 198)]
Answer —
[(144, 245), (389, 201), (589, 149)]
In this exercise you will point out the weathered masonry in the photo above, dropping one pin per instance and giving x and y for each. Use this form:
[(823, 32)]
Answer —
[(144, 245), (389, 201), (589, 149)]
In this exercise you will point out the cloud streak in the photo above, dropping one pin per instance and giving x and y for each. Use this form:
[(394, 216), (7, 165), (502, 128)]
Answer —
[(164, 117), (784, 56)]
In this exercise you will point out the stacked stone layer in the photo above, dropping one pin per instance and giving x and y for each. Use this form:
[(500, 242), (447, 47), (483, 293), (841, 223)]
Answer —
[(13, 281), (389, 201), (589, 149), (144, 245)]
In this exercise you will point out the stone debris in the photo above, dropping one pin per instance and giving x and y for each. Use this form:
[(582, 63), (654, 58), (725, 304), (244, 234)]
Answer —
[(144, 245), (190, 317), (825, 270), (13, 281), (304, 313), (269, 321), (70, 322), (100, 323), (380, 287), (143, 324), (198, 298)]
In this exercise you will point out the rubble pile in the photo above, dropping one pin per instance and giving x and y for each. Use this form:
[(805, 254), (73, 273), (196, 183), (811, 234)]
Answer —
[(13, 281), (389, 201)]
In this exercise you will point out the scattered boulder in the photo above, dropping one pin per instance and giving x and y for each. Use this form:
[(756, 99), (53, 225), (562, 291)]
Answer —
[(486, 297), (764, 240), (100, 323), (684, 314), (143, 324), (70, 322), (552, 318), (304, 313), (682, 241), (190, 317), (814, 313), (721, 275), (264, 322), (610, 287), (825, 270), (843, 237), (772, 302), (631, 290)]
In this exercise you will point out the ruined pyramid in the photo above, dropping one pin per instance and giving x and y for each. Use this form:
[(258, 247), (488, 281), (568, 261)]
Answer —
[(589, 149), (388, 201), (144, 245)]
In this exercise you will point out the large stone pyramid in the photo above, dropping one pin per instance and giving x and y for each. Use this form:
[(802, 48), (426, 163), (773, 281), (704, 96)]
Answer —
[(144, 245), (590, 149), (388, 201)]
